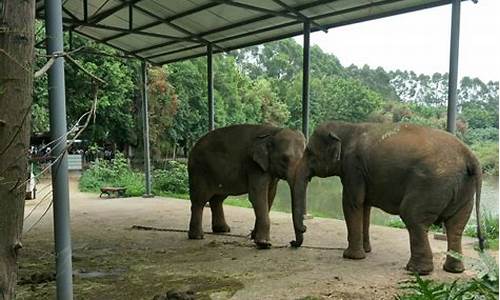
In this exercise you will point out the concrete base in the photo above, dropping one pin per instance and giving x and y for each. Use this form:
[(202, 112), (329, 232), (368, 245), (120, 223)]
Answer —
[(308, 217)]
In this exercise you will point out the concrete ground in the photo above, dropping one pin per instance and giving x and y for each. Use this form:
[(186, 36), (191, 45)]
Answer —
[(113, 261)]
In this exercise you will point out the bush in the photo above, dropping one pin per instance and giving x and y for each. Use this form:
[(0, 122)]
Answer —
[(173, 179), (487, 153), (485, 286), (112, 173), (489, 225), (481, 135)]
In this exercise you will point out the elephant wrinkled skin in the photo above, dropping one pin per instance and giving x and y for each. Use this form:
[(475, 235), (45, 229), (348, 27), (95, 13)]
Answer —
[(427, 176), (236, 160)]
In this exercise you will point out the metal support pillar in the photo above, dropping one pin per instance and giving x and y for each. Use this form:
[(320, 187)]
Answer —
[(305, 88), (145, 128), (210, 82), (305, 79), (58, 129), (453, 76)]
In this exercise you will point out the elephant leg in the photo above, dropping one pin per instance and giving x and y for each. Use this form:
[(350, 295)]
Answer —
[(352, 204), (258, 191), (366, 228), (218, 221), (454, 229), (198, 200), (270, 199), (417, 219), (272, 192), (421, 254)]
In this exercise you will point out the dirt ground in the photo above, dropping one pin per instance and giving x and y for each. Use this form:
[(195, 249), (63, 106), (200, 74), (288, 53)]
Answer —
[(113, 261)]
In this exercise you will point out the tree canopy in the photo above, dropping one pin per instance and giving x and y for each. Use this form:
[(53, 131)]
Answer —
[(259, 84)]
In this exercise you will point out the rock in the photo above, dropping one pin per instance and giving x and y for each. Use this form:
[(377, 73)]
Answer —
[(176, 295)]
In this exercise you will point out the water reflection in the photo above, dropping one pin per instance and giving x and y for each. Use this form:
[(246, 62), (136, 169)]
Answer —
[(324, 198)]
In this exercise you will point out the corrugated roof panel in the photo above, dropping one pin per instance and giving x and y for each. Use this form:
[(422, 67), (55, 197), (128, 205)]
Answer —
[(169, 48), (194, 22), (233, 31), (266, 35), (97, 33), (191, 52), (167, 30), (159, 7), (134, 41)]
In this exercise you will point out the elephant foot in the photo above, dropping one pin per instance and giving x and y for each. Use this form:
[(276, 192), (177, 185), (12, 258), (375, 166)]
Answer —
[(221, 228), (252, 234), (354, 254), (453, 265), (195, 235), (367, 247), (263, 244), (421, 268)]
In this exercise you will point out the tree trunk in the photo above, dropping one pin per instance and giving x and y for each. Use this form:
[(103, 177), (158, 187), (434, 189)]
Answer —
[(16, 86)]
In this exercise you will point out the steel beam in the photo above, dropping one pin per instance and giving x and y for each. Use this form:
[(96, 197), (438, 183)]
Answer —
[(453, 77), (305, 79), (58, 130), (167, 20), (145, 128), (239, 24), (295, 33), (210, 83)]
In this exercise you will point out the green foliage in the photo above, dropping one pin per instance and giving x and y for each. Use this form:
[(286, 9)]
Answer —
[(259, 84), (487, 153), (395, 222), (172, 179), (481, 135), (114, 173), (489, 226), (484, 286)]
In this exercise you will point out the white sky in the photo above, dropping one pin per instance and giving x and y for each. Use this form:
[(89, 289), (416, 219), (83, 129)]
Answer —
[(420, 41)]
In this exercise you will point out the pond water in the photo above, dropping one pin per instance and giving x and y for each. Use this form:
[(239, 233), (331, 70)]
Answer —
[(324, 199)]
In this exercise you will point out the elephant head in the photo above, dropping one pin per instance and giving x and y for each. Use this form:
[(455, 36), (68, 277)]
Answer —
[(321, 158), (279, 154)]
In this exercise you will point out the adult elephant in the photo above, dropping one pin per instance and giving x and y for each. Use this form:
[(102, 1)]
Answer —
[(236, 160), (424, 175)]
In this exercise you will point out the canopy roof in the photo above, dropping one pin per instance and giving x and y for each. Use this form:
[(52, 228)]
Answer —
[(164, 31)]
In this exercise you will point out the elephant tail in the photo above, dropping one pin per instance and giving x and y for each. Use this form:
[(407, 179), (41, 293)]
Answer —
[(477, 173)]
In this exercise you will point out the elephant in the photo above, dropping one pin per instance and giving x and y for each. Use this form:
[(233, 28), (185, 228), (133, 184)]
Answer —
[(236, 160), (426, 176)]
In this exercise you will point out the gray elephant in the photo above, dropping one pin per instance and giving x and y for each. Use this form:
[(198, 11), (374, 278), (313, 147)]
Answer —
[(236, 160), (424, 175)]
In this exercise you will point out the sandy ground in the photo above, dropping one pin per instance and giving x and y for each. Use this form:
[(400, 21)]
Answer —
[(112, 261)]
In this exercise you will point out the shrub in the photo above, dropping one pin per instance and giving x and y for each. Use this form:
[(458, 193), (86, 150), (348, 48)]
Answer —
[(172, 179), (481, 135), (487, 153), (484, 286), (112, 173), (489, 225)]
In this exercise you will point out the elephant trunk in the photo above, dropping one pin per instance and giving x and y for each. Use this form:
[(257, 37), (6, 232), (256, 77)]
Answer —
[(298, 191)]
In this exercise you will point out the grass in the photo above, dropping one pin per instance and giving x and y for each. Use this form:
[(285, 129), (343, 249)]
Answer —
[(484, 286), (489, 224)]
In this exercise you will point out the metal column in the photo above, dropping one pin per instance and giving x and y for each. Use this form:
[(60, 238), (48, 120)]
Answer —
[(145, 130), (453, 76), (305, 79), (210, 82), (305, 88), (58, 129)]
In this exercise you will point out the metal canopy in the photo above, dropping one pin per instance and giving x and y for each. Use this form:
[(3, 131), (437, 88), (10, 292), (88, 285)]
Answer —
[(162, 31)]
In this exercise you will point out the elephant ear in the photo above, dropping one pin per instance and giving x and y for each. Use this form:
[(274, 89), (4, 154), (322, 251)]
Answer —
[(336, 147), (260, 151)]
